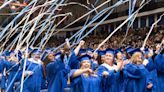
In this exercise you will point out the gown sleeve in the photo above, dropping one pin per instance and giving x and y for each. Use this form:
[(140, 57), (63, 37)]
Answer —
[(74, 81), (132, 71)]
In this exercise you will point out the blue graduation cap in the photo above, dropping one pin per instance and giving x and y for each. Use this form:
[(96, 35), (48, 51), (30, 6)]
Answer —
[(82, 51), (101, 52), (90, 50), (29, 50), (129, 49), (12, 51), (118, 50), (44, 55), (135, 50), (36, 51), (146, 51), (110, 50), (58, 53), (3, 53), (7, 54), (48, 49), (84, 58)]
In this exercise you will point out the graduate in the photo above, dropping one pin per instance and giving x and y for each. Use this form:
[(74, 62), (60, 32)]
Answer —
[(120, 58), (55, 73), (72, 55), (33, 73), (127, 53), (57, 69), (150, 66), (7, 67), (136, 76), (101, 56), (159, 64), (2, 76), (84, 79), (94, 63), (111, 72), (13, 70)]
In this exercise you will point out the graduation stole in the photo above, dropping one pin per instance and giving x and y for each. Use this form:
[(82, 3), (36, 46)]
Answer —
[(66, 60), (109, 67)]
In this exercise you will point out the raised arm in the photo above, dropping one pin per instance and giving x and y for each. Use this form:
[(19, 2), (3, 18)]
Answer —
[(77, 49), (78, 72)]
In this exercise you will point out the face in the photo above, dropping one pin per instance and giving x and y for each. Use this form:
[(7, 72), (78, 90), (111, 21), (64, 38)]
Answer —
[(51, 57), (95, 55), (67, 52), (109, 58), (119, 56), (146, 56), (12, 55), (85, 64), (7, 57), (36, 56), (139, 58)]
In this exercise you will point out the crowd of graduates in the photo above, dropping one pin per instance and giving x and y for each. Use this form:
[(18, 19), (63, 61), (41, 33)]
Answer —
[(82, 69)]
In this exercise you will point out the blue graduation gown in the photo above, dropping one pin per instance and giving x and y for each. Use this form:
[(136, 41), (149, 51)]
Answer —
[(13, 75), (110, 83), (136, 78), (153, 74), (84, 83), (159, 64), (33, 82), (56, 76), (43, 83), (73, 62), (2, 81), (94, 65)]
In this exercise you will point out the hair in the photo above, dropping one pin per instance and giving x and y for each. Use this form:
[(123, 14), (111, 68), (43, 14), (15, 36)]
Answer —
[(99, 60), (162, 48), (46, 61), (134, 58), (81, 64), (116, 55), (64, 52), (128, 55)]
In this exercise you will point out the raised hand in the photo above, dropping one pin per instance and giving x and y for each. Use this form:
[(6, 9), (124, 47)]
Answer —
[(82, 43), (89, 71), (157, 48)]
